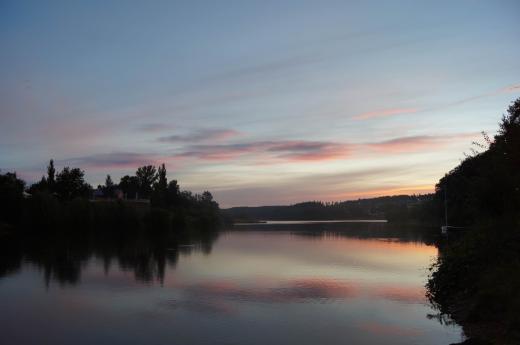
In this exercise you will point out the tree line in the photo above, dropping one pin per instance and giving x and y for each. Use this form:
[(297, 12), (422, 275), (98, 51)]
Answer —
[(63, 198), (410, 209), (475, 280)]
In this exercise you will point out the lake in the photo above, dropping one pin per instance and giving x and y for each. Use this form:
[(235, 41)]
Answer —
[(336, 283)]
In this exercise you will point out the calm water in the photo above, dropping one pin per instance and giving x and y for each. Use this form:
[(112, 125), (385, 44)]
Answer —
[(264, 284)]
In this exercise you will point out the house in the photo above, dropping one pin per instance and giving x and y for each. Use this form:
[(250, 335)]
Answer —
[(118, 194), (98, 193)]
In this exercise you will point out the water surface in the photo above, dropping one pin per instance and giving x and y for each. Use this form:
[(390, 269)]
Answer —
[(267, 284)]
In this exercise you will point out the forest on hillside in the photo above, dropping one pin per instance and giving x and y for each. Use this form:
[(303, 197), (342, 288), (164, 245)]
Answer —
[(418, 209)]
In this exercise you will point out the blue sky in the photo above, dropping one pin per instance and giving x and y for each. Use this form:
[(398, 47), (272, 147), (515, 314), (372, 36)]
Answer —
[(267, 102)]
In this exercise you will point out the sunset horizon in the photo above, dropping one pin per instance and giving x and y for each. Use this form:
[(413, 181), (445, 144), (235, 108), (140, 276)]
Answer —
[(356, 105), (283, 172)]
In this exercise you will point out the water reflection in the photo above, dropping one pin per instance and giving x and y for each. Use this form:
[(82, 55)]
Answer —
[(362, 230), (62, 259), (280, 284)]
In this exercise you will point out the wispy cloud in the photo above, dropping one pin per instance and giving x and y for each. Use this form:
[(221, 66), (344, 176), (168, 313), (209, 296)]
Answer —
[(384, 113), (271, 152), (154, 127), (269, 67), (291, 150), (512, 88), (400, 111), (405, 144), (201, 135), (111, 160), (418, 143)]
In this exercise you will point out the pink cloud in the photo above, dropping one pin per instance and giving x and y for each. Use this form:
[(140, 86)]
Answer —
[(418, 143), (271, 152), (400, 111), (300, 150), (288, 150), (512, 88), (404, 144), (384, 113)]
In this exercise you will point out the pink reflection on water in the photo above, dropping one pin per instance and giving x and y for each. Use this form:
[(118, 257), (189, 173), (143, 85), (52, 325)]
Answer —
[(408, 294), (281, 292)]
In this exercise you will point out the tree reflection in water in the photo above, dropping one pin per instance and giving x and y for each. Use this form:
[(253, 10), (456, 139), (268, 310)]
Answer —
[(62, 258)]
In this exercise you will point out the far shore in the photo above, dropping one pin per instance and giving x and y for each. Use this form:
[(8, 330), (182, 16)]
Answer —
[(278, 222)]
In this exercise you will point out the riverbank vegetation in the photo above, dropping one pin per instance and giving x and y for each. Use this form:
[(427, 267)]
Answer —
[(62, 202), (476, 278)]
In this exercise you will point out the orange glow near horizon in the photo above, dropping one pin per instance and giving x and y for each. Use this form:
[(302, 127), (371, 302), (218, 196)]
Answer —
[(371, 193)]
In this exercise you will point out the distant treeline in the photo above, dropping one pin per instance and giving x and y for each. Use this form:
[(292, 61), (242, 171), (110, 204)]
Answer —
[(63, 202), (476, 278), (400, 208)]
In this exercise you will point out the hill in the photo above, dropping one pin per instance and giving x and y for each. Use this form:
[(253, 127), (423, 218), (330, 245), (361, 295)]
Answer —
[(405, 208)]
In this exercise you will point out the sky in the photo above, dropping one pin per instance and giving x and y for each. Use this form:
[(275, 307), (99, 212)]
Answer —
[(260, 102)]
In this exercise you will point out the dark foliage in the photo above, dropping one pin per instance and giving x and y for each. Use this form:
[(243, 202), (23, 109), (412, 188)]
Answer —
[(486, 185), (109, 187), (63, 204), (70, 184), (185, 207), (47, 183), (399, 208), (11, 197), (475, 279), (146, 177), (129, 185)]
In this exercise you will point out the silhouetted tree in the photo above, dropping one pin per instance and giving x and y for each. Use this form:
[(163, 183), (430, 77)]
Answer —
[(486, 185), (11, 197), (147, 176), (173, 193), (129, 185), (46, 183), (67, 210), (109, 187), (39, 187), (160, 188), (507, 140), (480, 266), (207, 197), (162, 182), (51, 172), (70, 184)]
